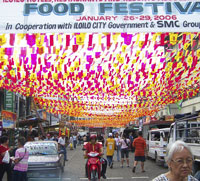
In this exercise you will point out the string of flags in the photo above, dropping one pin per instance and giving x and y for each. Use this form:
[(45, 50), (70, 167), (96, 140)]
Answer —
[(108, 78)]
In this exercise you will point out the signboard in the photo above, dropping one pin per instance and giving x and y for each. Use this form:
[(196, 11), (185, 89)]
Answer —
[(9, 101), (62, 124), (169, 118), (9, 119), (20, 16), (54, 120)]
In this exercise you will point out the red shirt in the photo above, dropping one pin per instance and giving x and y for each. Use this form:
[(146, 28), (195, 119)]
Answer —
[(90, 147), (2, 150), (140, 144)]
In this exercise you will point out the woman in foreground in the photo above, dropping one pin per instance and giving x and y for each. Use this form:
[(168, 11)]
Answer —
[(180, 162)]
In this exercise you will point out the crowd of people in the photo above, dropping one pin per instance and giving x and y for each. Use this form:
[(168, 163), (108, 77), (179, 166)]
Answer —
[(14, 161), (179, 157), (179, 160)]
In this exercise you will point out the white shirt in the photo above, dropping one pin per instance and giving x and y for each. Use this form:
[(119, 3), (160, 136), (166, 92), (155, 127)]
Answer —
[(124, 145), (61, 141), (74, 138), (117, 140)]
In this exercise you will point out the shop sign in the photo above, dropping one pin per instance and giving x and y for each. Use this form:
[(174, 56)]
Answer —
[(99, 16), (169, 118), (62, 124), (9, 119), (9, 101)]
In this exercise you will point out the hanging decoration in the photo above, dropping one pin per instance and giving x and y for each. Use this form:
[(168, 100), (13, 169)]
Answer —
[(109, 79)]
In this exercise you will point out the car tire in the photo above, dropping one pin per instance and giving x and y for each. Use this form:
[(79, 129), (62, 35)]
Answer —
[(62, 169), (156, 158)]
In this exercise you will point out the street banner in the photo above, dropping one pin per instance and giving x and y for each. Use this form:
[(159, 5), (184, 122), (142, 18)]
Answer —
[(43, 16), (9, 119)]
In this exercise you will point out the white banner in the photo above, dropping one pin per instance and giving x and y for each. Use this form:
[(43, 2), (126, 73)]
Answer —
[(43, 16)]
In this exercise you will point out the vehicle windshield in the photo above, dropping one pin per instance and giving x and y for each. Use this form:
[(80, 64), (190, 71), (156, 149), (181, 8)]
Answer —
[(188, 132), (41, 148)]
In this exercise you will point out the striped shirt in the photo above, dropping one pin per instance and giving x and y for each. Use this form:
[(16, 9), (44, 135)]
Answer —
[(162, 177), (23, 164)]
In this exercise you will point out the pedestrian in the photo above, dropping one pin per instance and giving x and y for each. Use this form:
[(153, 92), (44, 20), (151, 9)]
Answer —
[(125, 144), (79, 139), (20, 161), (55, 138), (180, 161), (100, 138), (4, 167), (88, 137), (71, 143), (110, 149), (74, 140), (131, 139), (61, 142), (140, 148), (84, 138), (118, 146), (48, 138)]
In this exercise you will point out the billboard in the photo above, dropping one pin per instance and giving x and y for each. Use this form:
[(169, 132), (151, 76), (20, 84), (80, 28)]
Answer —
[(41, 16), (9, 119)]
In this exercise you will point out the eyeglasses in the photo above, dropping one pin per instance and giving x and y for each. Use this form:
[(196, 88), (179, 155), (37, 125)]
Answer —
[(182, 161)]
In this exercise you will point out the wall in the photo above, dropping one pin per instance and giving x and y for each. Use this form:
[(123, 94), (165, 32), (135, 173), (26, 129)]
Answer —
[(188, 106)]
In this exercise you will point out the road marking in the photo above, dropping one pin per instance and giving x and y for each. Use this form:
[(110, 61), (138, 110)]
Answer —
[(140, 177), (66, 178), (114, 178), (83, 178)]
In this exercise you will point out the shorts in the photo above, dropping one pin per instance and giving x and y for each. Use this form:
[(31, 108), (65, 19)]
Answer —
[(140, 158), (124, 152)]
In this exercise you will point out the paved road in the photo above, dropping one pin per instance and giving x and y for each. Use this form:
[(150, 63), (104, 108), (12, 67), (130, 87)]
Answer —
[(74, 169)]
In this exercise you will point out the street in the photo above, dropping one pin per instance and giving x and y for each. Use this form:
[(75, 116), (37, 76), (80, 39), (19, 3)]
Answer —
[(74, 169)]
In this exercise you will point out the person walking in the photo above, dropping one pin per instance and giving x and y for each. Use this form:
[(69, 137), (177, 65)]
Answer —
[(110, 144), (140, 148), (4, 167), (61, 142), (125, 144), (21, 161), (74, 140), (100, 138), (118, 146), (48, 138)]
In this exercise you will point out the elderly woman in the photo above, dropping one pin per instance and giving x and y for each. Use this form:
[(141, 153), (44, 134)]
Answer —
[(179, 161)]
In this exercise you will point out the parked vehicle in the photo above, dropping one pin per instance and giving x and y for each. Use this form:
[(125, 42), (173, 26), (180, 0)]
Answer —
[(157, 144), (45, 161), (187, 129)]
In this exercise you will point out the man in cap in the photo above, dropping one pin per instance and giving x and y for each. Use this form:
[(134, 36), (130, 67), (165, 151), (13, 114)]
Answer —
[(110, 144), (92, 146), (48, 138), (61, 142)]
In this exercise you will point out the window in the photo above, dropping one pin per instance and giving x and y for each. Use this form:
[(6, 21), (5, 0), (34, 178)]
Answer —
[(166, 134), (155, 136)]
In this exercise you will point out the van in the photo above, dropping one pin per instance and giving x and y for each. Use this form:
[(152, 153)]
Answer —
[(187, 129), (157, 144)]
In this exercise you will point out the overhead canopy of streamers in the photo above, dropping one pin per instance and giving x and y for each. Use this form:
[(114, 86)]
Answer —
[(109, 79)]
